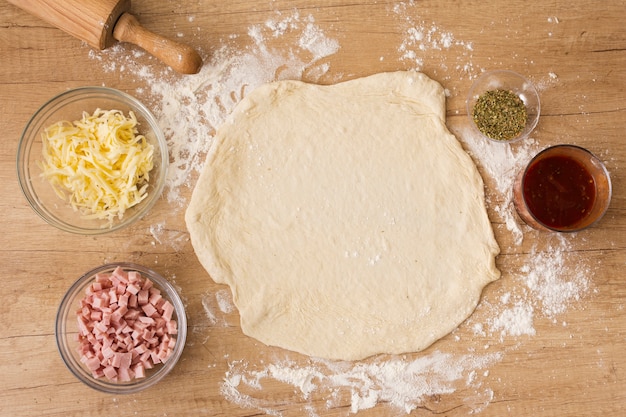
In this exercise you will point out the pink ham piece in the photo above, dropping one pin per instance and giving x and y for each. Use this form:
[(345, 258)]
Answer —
[(125, 326)]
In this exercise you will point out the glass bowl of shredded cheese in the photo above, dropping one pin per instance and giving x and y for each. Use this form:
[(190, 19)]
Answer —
[(121, 328), (92, 160), (503, 106)]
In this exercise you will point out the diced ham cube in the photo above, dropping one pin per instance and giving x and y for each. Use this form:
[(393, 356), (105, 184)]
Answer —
[(107, 352), (99, 373), (132, 300), (163, 355), (82, 326), (154, 356), (120, 288), (120, 273), (168, 310), (124, 375), (135, 276), (154, 294), (126, 360), (151, 341), (100, 302), (149, 309), (102, 278), (92, 363), (128, 342), (147, 320), (133, 288), (106, 318), (143, 297), (132, 314), (118, 314), (123, 300), (110, 372), (100, 327), (140, 370), (147, 284), (172, 327), (125, 326)]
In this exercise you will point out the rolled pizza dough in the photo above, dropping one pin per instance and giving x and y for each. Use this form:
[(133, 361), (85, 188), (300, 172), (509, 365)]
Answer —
[(346, 219)]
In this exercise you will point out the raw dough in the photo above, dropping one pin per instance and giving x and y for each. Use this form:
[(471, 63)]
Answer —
[(346, 219)]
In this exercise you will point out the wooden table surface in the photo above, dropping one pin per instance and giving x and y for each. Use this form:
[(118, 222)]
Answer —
[(567, 359)]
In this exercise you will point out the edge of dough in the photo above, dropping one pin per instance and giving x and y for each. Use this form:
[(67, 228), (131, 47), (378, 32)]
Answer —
[(415, 94)]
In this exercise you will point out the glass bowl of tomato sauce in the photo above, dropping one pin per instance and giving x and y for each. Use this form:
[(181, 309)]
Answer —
[(564, 188)]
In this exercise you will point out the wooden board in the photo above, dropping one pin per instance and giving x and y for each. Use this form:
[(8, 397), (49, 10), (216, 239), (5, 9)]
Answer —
[(573, 364)]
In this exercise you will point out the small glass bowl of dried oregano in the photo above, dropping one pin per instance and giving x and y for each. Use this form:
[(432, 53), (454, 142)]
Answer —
[(503, 106)]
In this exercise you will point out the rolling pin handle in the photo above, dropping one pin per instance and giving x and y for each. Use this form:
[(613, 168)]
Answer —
[(182, 58)]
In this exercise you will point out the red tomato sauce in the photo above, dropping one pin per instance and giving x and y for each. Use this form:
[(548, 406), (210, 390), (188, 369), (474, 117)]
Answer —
[(559, 191)]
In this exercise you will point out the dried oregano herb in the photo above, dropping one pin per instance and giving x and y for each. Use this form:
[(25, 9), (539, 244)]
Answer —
[(500, 114)]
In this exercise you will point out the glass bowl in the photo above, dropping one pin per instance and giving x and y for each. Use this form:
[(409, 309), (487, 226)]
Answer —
[(509, 81), (564, 188), (67, 330), (70, 106)]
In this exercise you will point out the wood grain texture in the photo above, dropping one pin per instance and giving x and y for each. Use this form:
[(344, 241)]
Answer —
[(92, 22), (573, 366)]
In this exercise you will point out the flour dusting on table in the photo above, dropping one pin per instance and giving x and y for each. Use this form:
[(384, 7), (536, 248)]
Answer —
[(399, 381), (190, 109), (421, 36)]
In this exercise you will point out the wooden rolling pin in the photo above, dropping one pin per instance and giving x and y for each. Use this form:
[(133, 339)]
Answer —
[(101, 22)]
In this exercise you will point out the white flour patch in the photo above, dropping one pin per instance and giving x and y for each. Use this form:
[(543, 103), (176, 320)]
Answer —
[(176, 239), (225, 301), (400, 382), (423, 41), (208, 305), (544, 274), (542, 83), (514, 321), (217, 306), (501, 163)]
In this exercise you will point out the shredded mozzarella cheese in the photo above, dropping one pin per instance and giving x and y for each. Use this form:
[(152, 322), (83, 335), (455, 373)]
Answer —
[(99, 164)]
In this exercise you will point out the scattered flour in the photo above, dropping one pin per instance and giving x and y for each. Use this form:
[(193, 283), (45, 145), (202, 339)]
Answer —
[(514, 321), (501, 162), (423, 40), (543, 276), (217, 306), (225, 301), (400, 382), (549, 282), (543, 291), (176, 239), (190, 109)]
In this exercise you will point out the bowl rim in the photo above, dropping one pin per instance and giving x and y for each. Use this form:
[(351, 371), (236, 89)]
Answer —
[(525, 81), (66, 309), (27, 139)]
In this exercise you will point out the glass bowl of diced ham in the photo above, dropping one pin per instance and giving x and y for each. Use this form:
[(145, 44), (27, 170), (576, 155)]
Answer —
[(121, 328)]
